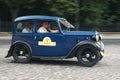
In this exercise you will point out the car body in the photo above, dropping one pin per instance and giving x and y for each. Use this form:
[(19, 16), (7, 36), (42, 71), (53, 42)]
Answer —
[(62, 44)]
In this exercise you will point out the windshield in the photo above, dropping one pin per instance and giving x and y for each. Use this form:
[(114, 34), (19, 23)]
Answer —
[(65, 25)]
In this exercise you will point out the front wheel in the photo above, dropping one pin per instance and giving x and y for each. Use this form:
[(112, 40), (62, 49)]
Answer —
[(21, 53), (88, 55)]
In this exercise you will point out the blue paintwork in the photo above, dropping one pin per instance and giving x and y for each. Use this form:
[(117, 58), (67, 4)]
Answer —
[(79, 32), (65, 40), (35, 17)]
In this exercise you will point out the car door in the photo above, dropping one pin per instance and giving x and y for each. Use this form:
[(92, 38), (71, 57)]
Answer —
[(50, 44)]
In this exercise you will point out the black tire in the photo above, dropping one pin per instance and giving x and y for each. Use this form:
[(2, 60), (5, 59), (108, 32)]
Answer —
[(22, 53), (88, 55)]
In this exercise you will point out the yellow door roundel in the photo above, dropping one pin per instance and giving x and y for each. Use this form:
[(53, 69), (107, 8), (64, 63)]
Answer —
[(46, 42)]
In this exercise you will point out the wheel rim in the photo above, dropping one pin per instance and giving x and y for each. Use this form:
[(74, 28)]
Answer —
[(88, 56), (22, 53)]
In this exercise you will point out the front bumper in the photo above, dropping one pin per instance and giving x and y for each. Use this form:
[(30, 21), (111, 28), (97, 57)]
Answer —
[(100, 45)]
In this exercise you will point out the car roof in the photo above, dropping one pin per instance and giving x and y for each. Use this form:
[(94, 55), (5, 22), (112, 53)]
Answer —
[(36, 17)]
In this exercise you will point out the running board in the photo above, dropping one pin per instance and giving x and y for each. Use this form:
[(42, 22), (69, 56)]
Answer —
[(42, 57)]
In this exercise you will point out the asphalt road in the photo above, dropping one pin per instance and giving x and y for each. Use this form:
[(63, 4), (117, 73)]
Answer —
[(66, 69)]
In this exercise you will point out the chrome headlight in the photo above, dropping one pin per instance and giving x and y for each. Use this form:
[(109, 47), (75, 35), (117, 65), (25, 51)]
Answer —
[(100, 37), (96, 37)]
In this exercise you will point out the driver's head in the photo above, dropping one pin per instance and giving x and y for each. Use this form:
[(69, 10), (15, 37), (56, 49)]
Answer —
[(46, 24)]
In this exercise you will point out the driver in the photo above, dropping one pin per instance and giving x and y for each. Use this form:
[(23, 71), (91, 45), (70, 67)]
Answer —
[(46, 28)]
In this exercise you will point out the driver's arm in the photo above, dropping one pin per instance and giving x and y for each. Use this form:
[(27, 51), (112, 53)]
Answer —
[(52, 30)]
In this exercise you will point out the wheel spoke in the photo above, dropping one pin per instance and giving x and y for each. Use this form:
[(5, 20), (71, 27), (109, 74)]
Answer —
[(22, 53), (88, 55)]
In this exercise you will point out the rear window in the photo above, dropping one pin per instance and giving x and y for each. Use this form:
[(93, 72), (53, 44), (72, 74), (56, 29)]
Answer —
[(24, 27)]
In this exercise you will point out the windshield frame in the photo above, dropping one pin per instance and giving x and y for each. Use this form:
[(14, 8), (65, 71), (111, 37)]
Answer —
[(66, 23)]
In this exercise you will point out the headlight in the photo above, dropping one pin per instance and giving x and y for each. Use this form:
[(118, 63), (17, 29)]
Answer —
[(100, 37), (96, 37)]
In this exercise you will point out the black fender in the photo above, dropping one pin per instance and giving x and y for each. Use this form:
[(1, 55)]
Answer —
[(14, 45), (73, 52)]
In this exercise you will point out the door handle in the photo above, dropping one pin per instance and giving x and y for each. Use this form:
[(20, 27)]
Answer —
[(35, 37)]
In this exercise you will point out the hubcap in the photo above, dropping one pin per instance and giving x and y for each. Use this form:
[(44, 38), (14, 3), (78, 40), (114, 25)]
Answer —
[(88, 55), (22, 53)]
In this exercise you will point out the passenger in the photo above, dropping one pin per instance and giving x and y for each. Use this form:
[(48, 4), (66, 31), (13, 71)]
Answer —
[(28, 28)]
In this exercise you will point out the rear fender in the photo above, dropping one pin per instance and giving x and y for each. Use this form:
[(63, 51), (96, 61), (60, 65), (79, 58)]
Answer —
[(14, 45)]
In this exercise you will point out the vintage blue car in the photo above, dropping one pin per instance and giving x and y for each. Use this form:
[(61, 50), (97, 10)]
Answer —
[(53, 37)]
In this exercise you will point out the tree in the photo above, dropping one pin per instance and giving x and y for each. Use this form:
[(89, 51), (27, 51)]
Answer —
[(14, 6), (113, 16), (64, 8), (91, 11)]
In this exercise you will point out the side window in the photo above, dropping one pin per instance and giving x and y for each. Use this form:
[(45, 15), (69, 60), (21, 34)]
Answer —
[(47, 26), (25, 27), (63, 26), (19, 27), (53, 26)]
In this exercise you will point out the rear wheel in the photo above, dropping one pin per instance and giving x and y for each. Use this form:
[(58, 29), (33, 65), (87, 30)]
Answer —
[(21, 53), (88, 55)]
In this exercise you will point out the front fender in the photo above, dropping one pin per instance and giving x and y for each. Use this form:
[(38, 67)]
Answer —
[(97, 45)]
